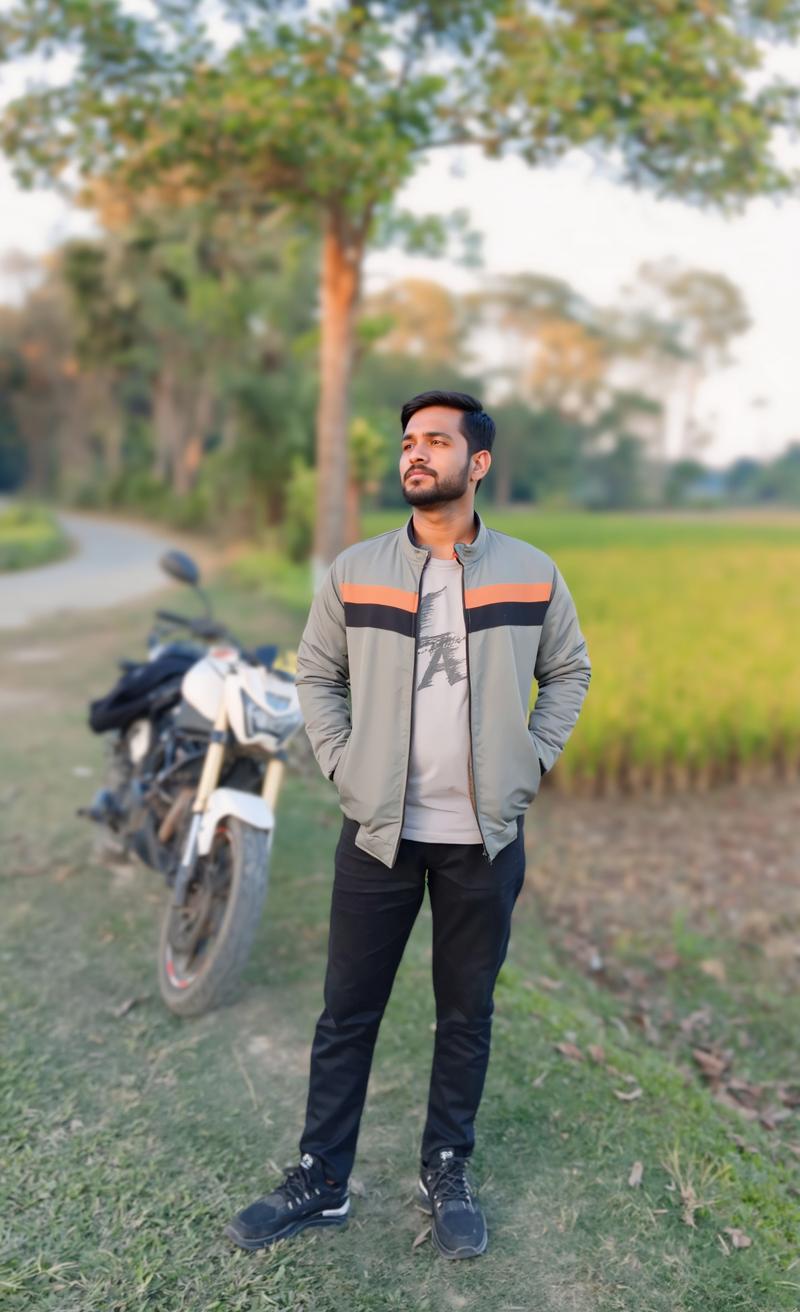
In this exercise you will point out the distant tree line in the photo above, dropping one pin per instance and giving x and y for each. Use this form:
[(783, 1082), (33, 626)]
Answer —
[(171, 366), (320, 114)]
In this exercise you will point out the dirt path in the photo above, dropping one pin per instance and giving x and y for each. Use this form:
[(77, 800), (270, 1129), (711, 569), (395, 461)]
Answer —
[(115, 560)]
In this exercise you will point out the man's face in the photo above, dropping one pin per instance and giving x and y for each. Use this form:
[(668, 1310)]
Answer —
[(435, 462)]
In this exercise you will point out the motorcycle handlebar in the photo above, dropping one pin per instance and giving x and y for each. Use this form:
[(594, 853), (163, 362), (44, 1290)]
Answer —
[(207, 628), (210, 630), (202, 625), (172, 618)]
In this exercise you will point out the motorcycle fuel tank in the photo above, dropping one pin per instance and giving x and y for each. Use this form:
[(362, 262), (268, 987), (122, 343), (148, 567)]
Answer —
[(203, 685)]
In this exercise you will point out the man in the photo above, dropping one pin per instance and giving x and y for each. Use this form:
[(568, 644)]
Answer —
[(414, 673)]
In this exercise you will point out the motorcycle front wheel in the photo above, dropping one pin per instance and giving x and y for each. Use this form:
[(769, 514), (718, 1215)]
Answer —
[(204, 945)]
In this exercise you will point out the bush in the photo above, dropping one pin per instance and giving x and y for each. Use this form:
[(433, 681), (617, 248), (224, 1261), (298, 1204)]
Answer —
[(265, 571), (297, 530), (30, 535)]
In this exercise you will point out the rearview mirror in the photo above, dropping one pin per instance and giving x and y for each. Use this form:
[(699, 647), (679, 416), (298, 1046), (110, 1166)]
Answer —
[(180, 566)]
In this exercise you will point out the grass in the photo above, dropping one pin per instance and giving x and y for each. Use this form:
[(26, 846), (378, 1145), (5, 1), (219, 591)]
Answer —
[(264, 570), (30, 535), (566, 529), (129, 1139)]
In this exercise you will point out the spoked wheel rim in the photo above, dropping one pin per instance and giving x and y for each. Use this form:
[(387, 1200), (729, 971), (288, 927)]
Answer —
[(195, 928)]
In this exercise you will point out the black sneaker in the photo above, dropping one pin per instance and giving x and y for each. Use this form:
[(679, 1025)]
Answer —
[(458, 1226), (304, 1198)]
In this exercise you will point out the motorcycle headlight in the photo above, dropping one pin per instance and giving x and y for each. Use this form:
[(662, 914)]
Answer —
[(274, 720)]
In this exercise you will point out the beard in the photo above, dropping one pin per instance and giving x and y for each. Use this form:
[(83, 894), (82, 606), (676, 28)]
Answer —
[(436, 491)]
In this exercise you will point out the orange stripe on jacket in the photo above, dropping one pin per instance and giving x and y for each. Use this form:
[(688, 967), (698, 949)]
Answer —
[(497, 592), (375, 594)]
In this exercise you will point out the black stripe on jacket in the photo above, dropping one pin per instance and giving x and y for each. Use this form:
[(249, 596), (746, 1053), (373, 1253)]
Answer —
[(506, 612), (370, 616)]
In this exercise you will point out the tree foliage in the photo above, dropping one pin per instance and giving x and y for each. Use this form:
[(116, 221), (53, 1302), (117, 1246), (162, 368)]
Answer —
[(327, 111), (332, 107)]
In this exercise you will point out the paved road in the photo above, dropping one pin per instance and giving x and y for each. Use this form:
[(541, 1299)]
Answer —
[(114, 563)]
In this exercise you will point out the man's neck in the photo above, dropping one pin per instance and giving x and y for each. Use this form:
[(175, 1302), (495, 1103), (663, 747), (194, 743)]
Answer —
[(440, 527)]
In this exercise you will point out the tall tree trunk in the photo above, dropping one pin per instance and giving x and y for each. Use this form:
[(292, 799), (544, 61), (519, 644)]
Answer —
[(166, 422), (191, 438), (342, 252), (114, 428), (229, 428), (690, 445), (187, 463), (660, 381), (37, 423)]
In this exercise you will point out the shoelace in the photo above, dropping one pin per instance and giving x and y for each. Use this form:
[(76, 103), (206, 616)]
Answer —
[(297, 1187), (448, 1183)]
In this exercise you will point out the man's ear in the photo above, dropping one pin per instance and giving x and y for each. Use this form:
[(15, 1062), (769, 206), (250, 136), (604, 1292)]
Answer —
[(481, 463)]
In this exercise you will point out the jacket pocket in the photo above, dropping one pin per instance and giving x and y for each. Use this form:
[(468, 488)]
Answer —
[(338, 769), (536, 765)]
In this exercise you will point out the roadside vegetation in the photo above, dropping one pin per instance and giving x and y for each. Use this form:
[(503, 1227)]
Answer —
[(30, 535)]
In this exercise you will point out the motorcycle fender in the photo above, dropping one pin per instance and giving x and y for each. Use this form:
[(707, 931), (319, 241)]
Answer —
[(231, 801)]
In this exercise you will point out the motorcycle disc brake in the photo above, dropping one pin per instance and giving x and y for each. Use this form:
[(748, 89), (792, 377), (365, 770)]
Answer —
[(187, 924), (191, 923)]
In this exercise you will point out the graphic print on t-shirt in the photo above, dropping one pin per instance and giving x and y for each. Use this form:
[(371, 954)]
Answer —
[(438, 652), (438, 802)]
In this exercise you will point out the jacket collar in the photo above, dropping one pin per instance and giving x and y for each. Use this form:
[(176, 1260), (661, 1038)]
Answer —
[(466, 551)]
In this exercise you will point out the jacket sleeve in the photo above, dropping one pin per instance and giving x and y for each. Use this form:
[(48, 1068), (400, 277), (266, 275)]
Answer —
[(323, 676), (562, 671)]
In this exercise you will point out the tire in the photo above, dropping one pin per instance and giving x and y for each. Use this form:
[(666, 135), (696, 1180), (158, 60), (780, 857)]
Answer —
[(191, 987)]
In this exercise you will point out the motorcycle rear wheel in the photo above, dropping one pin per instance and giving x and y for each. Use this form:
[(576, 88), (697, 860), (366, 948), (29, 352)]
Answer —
[(207, 974)]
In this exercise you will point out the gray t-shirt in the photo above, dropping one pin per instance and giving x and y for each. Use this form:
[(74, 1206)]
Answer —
[(438, 805)]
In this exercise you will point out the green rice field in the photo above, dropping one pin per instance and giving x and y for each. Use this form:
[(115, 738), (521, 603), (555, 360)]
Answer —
[(693, 627)]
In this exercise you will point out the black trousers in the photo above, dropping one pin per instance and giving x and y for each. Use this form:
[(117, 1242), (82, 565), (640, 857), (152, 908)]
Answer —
[(372, 913)]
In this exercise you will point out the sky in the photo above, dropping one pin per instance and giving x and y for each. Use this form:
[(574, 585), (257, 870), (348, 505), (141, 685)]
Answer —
[(571, 222)]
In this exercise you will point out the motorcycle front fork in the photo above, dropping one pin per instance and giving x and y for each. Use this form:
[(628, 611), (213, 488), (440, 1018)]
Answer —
[(209, 779)]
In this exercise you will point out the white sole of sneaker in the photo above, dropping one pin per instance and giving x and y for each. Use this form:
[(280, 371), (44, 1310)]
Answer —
[(334, 1216)]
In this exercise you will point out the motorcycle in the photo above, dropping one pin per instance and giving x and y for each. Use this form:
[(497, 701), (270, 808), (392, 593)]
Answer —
[(197, 736)]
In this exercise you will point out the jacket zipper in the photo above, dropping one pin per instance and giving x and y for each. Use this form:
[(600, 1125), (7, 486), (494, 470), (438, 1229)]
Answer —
[(473, 787), (411, 713)]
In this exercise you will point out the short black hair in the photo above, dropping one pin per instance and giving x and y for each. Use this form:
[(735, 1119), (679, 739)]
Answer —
[(476, 426)]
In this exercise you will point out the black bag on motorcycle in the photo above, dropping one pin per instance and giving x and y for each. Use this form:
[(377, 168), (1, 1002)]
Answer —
[(135, 691)]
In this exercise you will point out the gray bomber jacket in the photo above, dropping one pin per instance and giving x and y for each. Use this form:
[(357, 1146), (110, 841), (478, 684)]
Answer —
[(356, 664)]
